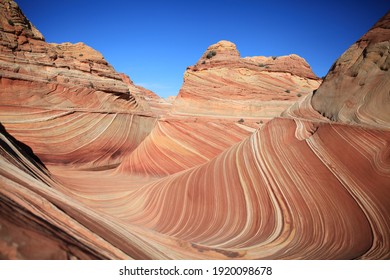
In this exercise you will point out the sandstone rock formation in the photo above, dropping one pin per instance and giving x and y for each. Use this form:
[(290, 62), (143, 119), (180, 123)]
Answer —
[(213, 129), (178, 143), (64, 100), (147, 97), (222, 83), (63, 73), (288, 191), (92, 172), (354, 91)]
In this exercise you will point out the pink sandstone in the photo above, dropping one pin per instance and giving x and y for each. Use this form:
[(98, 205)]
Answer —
[(103, 171)]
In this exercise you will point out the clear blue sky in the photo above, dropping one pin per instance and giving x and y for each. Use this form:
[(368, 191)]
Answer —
[(154, 41)]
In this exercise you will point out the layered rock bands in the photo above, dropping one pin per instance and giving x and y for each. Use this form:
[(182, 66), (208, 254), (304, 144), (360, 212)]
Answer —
[(247, 163)]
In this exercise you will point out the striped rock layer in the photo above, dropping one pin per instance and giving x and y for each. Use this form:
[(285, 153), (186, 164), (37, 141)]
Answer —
[(64, 100), (362, 72), (222, 83), (99, 172)]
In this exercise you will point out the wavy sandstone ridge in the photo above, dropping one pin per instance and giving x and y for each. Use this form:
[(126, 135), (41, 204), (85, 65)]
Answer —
[(222, 83), (300, 186), (64, 100), (264, 197), (178, 143), (251, 199)]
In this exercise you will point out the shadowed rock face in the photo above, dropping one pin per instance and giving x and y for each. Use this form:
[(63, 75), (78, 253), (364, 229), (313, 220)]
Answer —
[(222, 83), (88, 174)]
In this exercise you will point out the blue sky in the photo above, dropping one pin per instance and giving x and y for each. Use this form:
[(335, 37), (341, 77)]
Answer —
[(154, 41)]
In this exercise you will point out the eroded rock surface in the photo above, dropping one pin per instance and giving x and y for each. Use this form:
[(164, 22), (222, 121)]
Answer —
[(222, 83), (357, 87), (64, 100), (106, 172)]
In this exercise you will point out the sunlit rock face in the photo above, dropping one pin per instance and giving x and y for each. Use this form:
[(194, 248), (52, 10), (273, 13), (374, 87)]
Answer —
[(356, 89), (224, 98), (290, 190), (64, 100), (178, 143), (222, 83), (109, 171)]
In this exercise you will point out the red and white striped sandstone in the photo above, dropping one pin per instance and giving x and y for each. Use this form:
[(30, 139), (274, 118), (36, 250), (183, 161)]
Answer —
[(311, 184)]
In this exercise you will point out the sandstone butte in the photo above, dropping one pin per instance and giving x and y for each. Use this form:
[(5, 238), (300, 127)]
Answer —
[(93, 166), (222, 83)]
